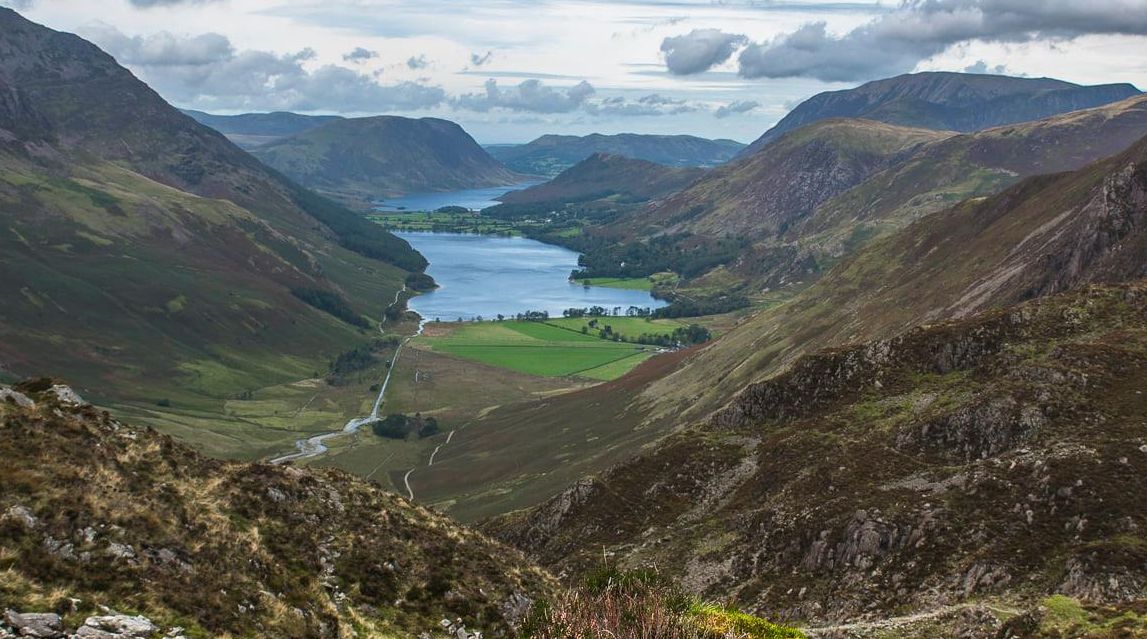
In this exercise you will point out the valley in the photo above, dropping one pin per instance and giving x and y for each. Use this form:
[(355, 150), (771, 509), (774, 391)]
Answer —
[(315, 356)]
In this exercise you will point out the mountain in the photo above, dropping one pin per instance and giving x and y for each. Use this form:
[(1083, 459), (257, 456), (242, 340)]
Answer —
[(95, 512), (767, 192), (250, 130), (603, 176), (948, 102), (549, 155), (988, 465), (941, 419), (818, 193), (146, 256), (363, 159)]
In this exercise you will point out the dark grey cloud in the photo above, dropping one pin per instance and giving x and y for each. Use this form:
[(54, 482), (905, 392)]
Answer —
[(418, 62), (897, 41), (359, 54), (481, 59), (736, 108), (530, 96), (699, 50), (206, 71), (650, 105)]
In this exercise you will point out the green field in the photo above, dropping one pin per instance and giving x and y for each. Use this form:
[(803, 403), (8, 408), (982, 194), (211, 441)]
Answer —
[(552, 349), (627, 283)]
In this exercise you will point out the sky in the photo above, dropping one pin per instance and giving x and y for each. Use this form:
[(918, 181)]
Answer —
[(511, 70)]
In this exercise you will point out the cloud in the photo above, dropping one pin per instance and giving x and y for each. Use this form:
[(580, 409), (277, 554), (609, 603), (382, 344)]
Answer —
[(17, 4), (418, 62), (699, 50), (982, 67), (897, 41), (206, 71), (650, 105), (736, 108), (360, 54), (147, 4), (530, 96), (479, 60)]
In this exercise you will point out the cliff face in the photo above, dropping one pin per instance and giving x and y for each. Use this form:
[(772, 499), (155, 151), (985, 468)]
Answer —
[(999, 456), (107, 514)]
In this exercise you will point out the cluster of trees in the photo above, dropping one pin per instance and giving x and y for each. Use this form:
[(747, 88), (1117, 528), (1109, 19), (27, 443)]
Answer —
[(399, 426), (681, 336), (685, 254), (355, 232), (358, 359), (420, 282), (330, 303), (696, 307), (601, 311)]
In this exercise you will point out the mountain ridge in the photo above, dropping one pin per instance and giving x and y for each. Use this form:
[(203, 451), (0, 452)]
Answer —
[(362, 159), (949, 101), (551, 154)]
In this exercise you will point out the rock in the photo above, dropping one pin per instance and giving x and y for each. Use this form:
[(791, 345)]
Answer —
[(112, 626), (66, 395), (14, 397), (35, 624), (21, 515)]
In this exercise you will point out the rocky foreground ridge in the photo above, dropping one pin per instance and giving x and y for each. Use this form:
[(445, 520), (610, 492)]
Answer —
[(97, 515)]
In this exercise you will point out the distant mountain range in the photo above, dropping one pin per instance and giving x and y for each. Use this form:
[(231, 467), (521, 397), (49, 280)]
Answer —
[(250, 130), (603, 176), (549, 155), (961, 102), (360, 160)]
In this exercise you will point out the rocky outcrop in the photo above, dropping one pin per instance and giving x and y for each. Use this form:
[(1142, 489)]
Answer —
[(106, 626)]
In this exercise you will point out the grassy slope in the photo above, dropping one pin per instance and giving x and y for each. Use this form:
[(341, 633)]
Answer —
[(148, 259), (89, 300)]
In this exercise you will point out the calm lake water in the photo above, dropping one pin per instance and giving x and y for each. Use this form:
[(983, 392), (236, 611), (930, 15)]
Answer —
[(487, 275), (474, 199)]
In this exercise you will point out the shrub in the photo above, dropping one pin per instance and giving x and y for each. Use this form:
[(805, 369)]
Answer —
[(642, 604)]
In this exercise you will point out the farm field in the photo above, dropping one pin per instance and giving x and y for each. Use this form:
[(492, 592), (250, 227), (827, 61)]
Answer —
[(557, 348), (628, 283)]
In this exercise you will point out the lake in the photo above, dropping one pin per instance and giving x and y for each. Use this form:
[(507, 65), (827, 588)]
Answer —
[(486, 275), (473, 199)]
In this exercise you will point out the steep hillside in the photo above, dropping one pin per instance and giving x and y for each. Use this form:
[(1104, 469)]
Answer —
[(602, 176), (146, 256), (996, 458), (362, 159), (949, 102), (549, 155), (100, 513), (765, 193), (250, 130), (1045, 235)]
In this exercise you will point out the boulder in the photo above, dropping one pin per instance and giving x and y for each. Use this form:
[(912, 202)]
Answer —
[(45, 625)]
